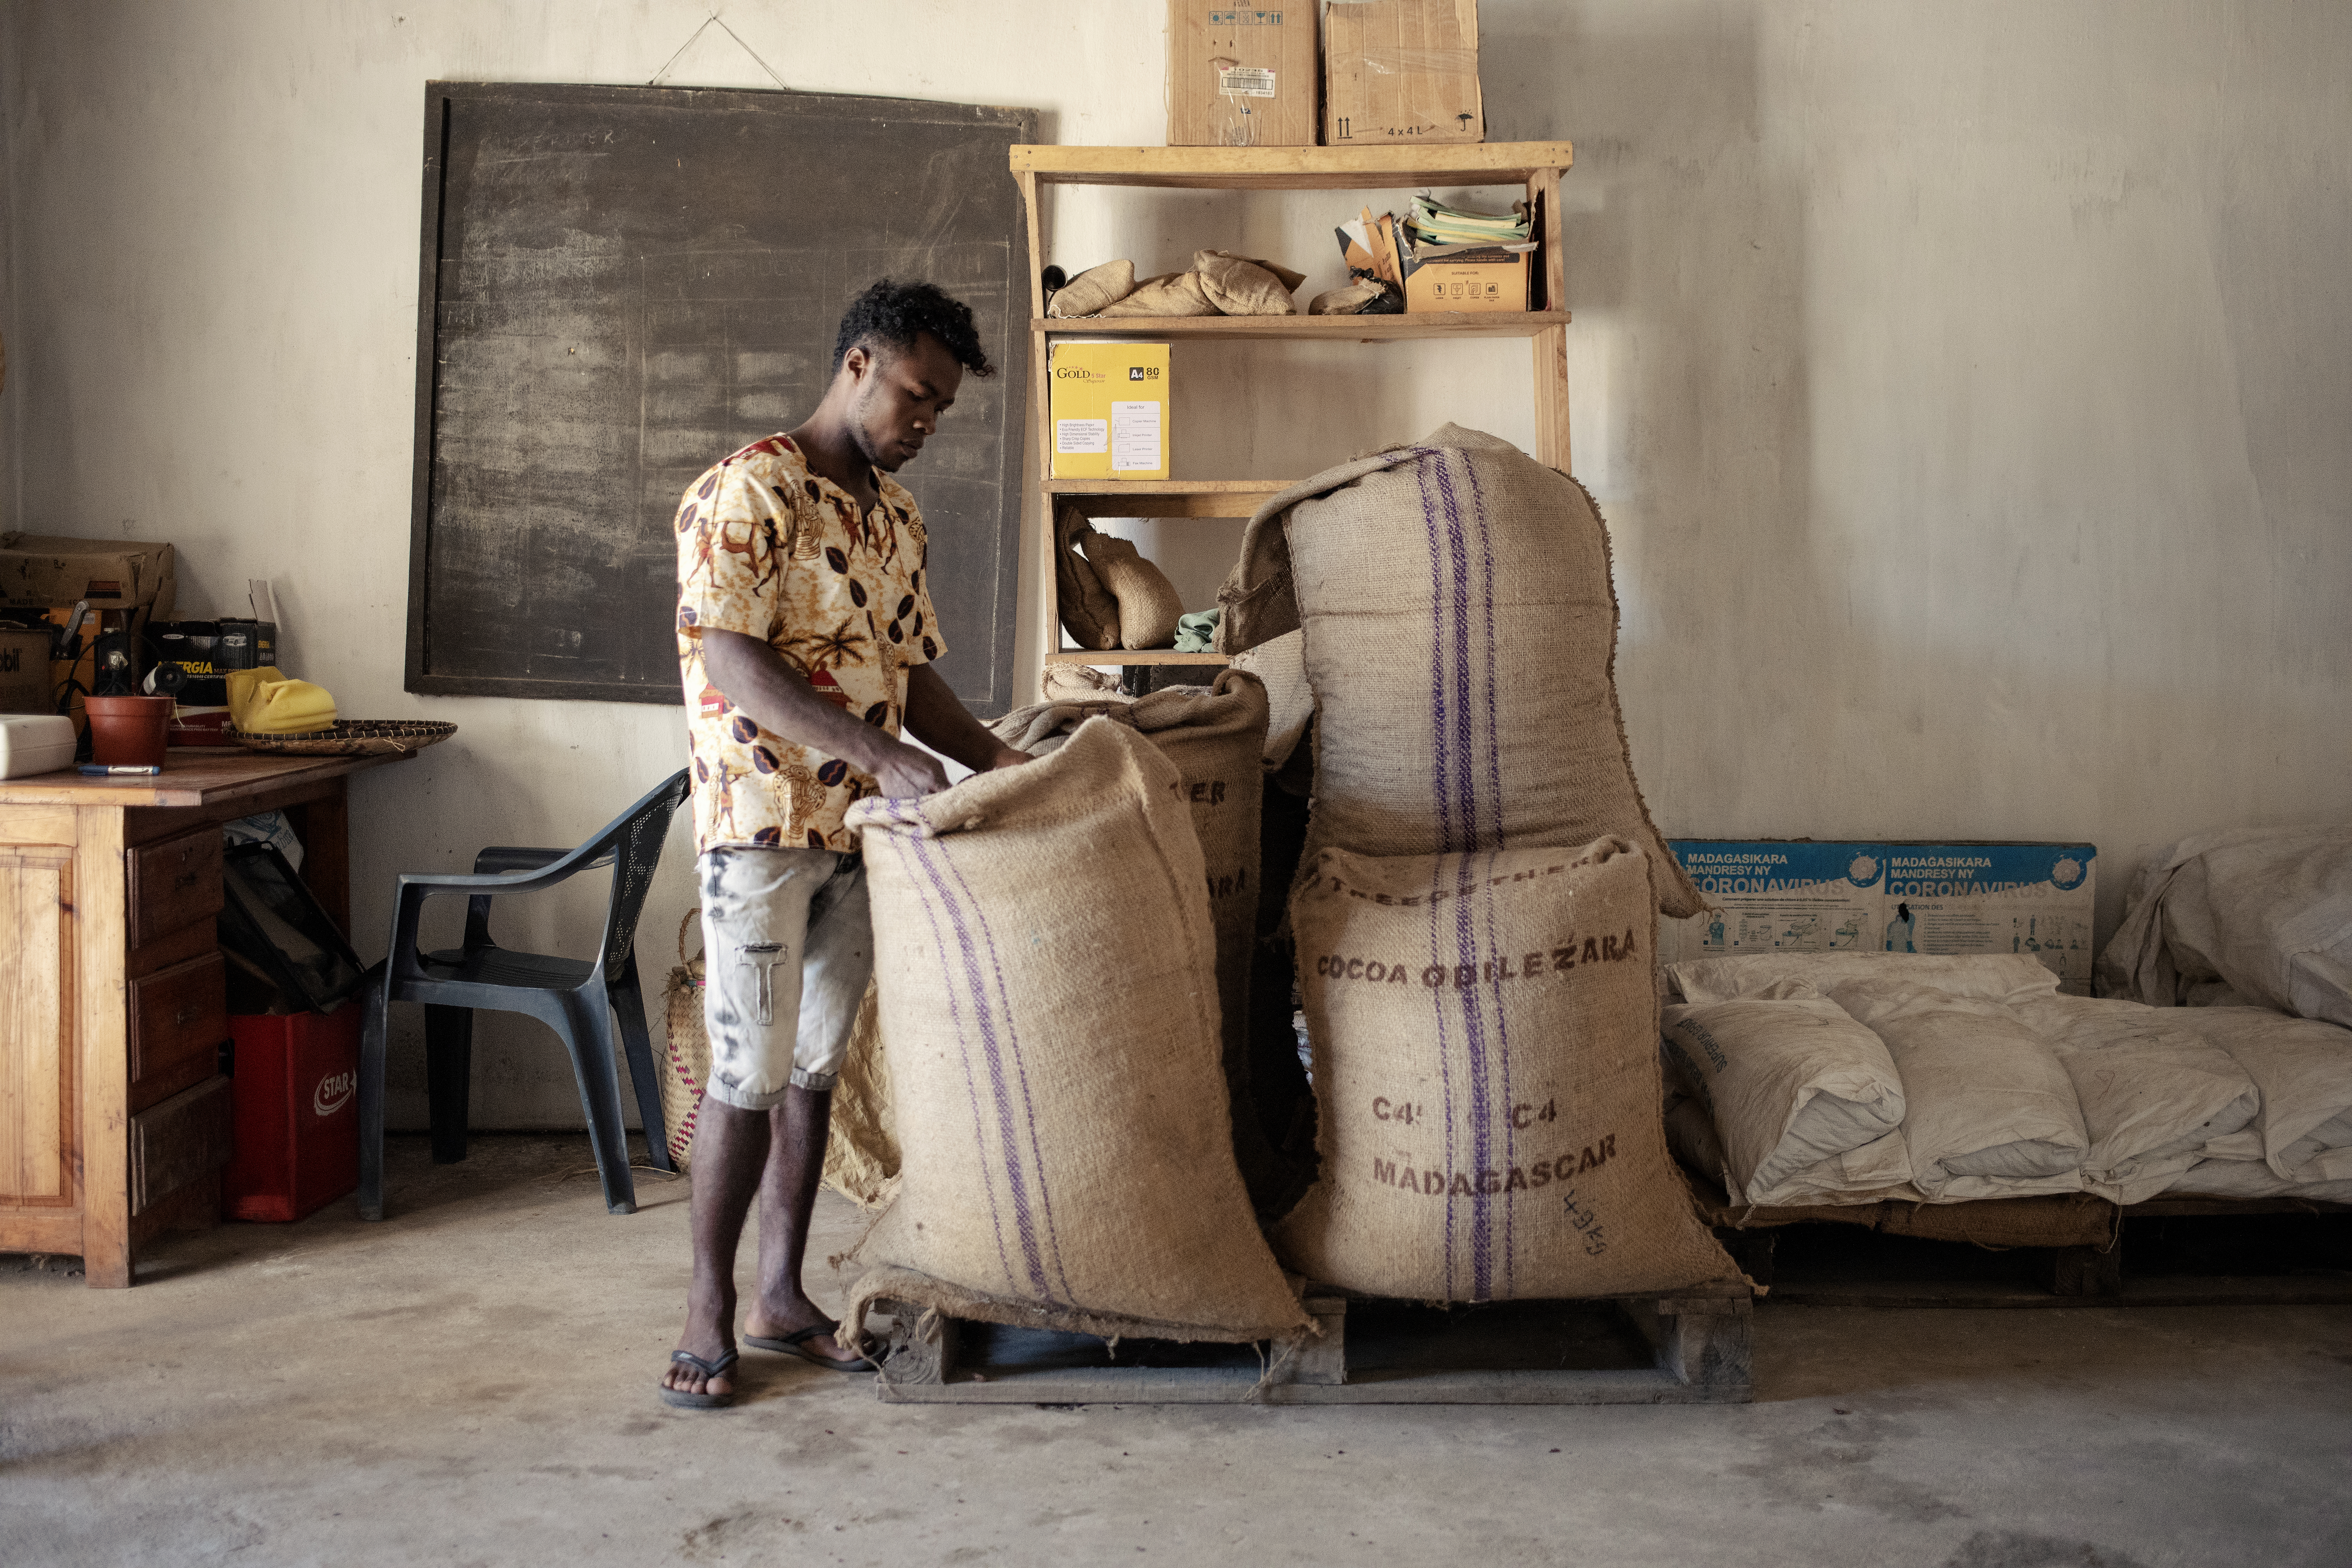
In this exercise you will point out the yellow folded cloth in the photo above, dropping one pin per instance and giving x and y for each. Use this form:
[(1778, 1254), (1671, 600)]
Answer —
[(243, 688), (263, 702)]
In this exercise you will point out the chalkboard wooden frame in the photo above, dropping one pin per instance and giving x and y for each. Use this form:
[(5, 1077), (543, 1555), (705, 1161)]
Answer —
[(983, 587)]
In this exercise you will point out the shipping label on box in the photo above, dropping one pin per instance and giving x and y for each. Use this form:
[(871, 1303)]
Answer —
[(1240, 76), (1108, 411), (1401, 70), (1777, 895), (1468, 277)]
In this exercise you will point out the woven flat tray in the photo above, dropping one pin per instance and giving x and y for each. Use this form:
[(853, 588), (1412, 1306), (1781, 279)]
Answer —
[(352, 738)]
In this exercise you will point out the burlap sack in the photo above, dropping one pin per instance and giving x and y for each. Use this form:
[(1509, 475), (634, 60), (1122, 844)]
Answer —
[(1245, 285), (1289, 700), (1214, 735), (1148, 604), (1170, 294), (1460, 641), (1090, 611), (1485, 1030), (1080, 683), (1346, 300), (1046, 967), (1089, 292), (686, 1061), (861, 1148)]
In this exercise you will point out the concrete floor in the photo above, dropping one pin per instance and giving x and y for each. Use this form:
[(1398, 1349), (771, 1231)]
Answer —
[(471, 1382)]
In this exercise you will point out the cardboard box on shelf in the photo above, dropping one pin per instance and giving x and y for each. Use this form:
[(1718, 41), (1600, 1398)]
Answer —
[(1108, 410), (45, 572), (1398, 71), (1468, 277), (1803, 896), (1240, 76)]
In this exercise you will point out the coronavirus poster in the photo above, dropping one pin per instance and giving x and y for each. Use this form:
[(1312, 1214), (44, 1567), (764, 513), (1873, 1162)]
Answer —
[(1807, 896)]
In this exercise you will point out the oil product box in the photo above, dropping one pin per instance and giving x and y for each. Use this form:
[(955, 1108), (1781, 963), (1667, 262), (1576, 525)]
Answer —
[(295, 1091), (1400, 72), (1108, 409), (1804, 896), (1242, 76), (1466, 277)]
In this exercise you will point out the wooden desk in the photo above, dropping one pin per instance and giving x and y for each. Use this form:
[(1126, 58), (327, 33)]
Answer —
[(113, 1113)]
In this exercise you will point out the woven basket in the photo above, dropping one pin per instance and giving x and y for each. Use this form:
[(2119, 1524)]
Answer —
[(352, 738), (686, 1062)]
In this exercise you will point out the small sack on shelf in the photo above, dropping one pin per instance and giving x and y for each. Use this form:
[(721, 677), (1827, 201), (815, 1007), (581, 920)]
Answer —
[(1245, 286), (1089, 292), (1089, 614), (1170, 294), (1147, 601), (1348, 301)]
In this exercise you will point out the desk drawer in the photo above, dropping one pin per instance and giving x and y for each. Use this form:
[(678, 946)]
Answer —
[(188, 1136), (179, 1017), (174, 883)]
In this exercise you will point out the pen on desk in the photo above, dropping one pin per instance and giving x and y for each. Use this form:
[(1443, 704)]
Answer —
[(105, 769)]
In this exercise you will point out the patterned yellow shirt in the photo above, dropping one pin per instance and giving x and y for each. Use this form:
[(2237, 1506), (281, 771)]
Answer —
[(766, 549)]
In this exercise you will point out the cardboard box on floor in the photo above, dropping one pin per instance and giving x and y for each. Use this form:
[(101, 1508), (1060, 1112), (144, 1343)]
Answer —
[(1240, 76), (1400, 72), (1801, 896), (1108, 410)]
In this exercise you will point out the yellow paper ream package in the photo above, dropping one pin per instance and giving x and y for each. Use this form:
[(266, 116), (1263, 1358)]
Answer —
[(1109, 405)]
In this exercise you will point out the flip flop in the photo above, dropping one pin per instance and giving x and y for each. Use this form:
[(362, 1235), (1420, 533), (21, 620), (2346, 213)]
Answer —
[(707, 1370), (795, 1344)]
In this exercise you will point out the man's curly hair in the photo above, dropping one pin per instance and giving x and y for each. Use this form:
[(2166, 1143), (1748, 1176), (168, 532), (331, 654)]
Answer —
[(892, 313)]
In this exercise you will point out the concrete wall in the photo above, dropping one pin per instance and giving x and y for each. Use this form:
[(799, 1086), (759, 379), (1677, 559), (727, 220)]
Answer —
[(1968, 386)]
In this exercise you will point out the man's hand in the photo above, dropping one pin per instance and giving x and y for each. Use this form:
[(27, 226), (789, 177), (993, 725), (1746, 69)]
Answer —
[(1006, 757), (908, 771)]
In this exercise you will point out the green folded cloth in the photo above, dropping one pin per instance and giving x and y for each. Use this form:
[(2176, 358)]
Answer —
[(1197, 633)]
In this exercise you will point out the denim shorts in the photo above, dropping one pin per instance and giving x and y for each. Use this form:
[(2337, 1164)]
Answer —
[(788, 947)]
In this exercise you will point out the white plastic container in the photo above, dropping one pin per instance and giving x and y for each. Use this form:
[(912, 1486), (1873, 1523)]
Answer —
[(34, 744)]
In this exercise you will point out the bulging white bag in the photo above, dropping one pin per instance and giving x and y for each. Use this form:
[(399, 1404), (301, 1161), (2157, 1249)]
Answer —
[(1991, 1111), (2153, 1096), (1797, 1088)]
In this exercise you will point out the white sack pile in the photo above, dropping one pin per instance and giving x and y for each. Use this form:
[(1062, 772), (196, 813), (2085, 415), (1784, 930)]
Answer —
[(1993, 1113), (1807, 1104), (2153, 1095), (2262, 917)]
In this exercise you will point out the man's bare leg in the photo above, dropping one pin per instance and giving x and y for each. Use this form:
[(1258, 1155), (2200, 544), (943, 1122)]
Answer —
[(787, 1199), (731, 1151)]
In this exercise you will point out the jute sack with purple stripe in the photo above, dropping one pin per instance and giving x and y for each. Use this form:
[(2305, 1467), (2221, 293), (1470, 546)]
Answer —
[(1485, 1030), (1461, 635), (1215, 736), (1045, 971)]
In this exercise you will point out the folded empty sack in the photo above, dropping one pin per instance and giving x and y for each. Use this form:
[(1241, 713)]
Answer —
[(2153, 1096), (1990, 978), (1795, 1086), (1989, 1108)]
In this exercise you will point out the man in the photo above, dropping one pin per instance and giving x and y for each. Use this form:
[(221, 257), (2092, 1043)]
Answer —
[(806, 639)]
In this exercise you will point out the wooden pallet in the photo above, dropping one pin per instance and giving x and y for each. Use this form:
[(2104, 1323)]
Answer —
[(1690, 1348)]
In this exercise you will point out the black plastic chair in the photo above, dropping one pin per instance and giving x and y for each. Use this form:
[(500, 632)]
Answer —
[(575, 998)]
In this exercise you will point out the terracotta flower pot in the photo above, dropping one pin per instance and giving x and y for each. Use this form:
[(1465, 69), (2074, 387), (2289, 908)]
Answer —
[(128, 732)]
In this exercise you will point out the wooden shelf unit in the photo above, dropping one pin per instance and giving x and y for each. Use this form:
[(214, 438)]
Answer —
[(1537, 165)]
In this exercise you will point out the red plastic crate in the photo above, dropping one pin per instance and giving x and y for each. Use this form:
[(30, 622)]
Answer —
[(297, 1114)]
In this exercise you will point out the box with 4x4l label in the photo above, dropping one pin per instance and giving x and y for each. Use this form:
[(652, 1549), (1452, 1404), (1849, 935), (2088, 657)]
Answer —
[(1108, 410)]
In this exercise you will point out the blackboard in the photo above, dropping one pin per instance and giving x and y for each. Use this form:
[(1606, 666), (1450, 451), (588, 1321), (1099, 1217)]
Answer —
[(623, 285)]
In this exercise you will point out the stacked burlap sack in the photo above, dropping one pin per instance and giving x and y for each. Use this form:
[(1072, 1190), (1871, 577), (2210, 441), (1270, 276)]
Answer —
[(1476, 913), (1848, 1078)]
